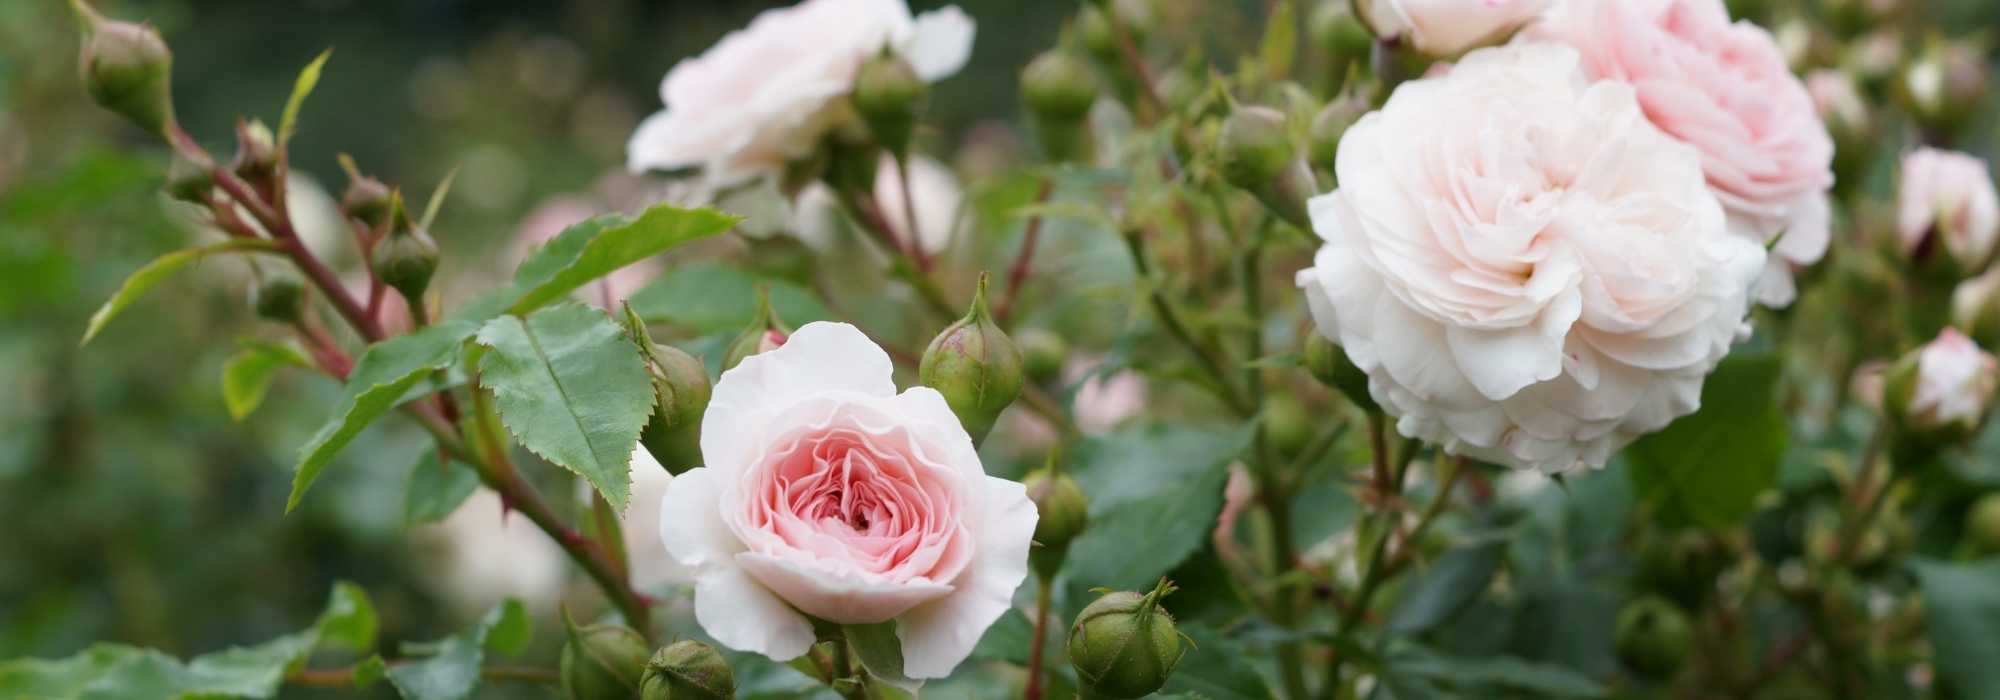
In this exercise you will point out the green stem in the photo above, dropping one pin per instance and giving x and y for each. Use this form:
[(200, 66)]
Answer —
[(1171, 318)]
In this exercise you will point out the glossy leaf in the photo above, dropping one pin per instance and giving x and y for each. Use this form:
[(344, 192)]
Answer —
[(572, 389), (1154, 493), (159, 269), (1709, 467)]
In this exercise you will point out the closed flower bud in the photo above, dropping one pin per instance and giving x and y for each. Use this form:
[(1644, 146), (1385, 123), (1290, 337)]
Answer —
[(256, 151), (1257, 155), (1939, 393), (1329, 364), (765, 333), (1652, 637), (1982, 524), (279, 298), (405, 261), (687, 670), (1331, 123), (1062, 511), (1124, 645), (189, 181), (975, 366), (1286, 425), (1094, 27), (1945, 85), (366, 199), (1043, 353), (888, 93), (680, 390), (1947, 211), (1059, 89), (127, 69), (1681, 566), (852, 157), (602, 662)]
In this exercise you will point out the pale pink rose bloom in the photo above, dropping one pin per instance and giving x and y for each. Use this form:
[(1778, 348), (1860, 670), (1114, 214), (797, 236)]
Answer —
[(1449, 27), (934, 189), (826, 493), (1954, 383), (1529, 271), (1947, 195), (765, 94), (1725, 89)]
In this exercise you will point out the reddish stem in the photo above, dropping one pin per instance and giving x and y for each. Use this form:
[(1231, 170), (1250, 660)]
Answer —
[(1024, 261)]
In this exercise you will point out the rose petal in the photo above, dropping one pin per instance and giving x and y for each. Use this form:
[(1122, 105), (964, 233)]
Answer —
[(938, 635)]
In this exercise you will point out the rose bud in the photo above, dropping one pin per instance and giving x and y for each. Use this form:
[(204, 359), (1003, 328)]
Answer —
[(1059, 89), (1330, 365), (1331, 123), (1945, 203), (1975, 308), (1043, 353), (852, 157), (1982, 524), (366, 199), (1063, 511), (888, 93), (1286, 424), (975, 366), (765, 333), (1257, 155), (1334, 28), (601, 662), (1447, 27), (1652, 637), (1094, 28), (680, 394), (189, 181), (1939, 393), (1124, 645), (406, 259), (127, 69), (1945, 85), (280, 298), (687, 670), (256, 151)]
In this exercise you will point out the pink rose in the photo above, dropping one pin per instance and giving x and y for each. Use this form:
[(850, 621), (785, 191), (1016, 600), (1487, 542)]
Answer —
[(1725, 89), (828, 494), (1529, 272), (764, 95), (1449, 27), (1947, 391), (1947, 197)]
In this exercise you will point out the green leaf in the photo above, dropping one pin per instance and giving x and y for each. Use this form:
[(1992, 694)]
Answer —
[(1709, 467), (1154, 493), (381, 378), (571, 387), (436, 489), (119, 672), (881, 652), (602, 245), (140, 282), (453, 671), (1489, 676), (436, 204), (1281, 41), (710, 297), (1962, 621), (1217, 668), (1446, 588), (247, 375), (369, 672), (308, 79)]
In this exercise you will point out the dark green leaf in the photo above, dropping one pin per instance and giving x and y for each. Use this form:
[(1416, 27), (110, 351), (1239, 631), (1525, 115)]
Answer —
[(1962, 619), (1217, 668), (1482, 677), (453, 671), (247, 375), (1709, 467), (1441, 591), (602, 245), (142, 281), (436, 489), (1154, 494), (572, 388), (382, 376)]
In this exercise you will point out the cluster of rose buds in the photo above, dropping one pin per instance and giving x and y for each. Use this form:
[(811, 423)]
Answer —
[(610, 662)]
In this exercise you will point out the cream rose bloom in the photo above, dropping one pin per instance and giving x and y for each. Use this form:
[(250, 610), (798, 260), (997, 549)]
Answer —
[(826, 493), (1449, 27), (765, 95), (1947, 198), (1725, 89), (1529, 272)]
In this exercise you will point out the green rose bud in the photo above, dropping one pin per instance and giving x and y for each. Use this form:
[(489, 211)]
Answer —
[(280, 298), (1094, 30), (1329, 364), (687, 670), (189, 181), (601, 662), (1682, 566), (1125, 646), (1059, 90), (1334, 28), (1331, 123), (366, 199), (1043, 353), (405, 261), (681, 390), (1062, 512), (1982, 524), (765, 333), (1286, 424), (1653, 637), (975, 366), (1257, 155), (256, 151), (888, 93), (127, 69), (852, 157)]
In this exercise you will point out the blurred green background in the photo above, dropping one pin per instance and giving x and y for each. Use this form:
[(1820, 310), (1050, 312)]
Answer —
[(131, 507)]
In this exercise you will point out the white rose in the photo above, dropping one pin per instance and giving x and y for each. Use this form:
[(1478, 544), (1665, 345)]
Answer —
[(826, 493), (1947, 197), (765, 94), (1448, 27), (819, 221), (1529, 272)]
